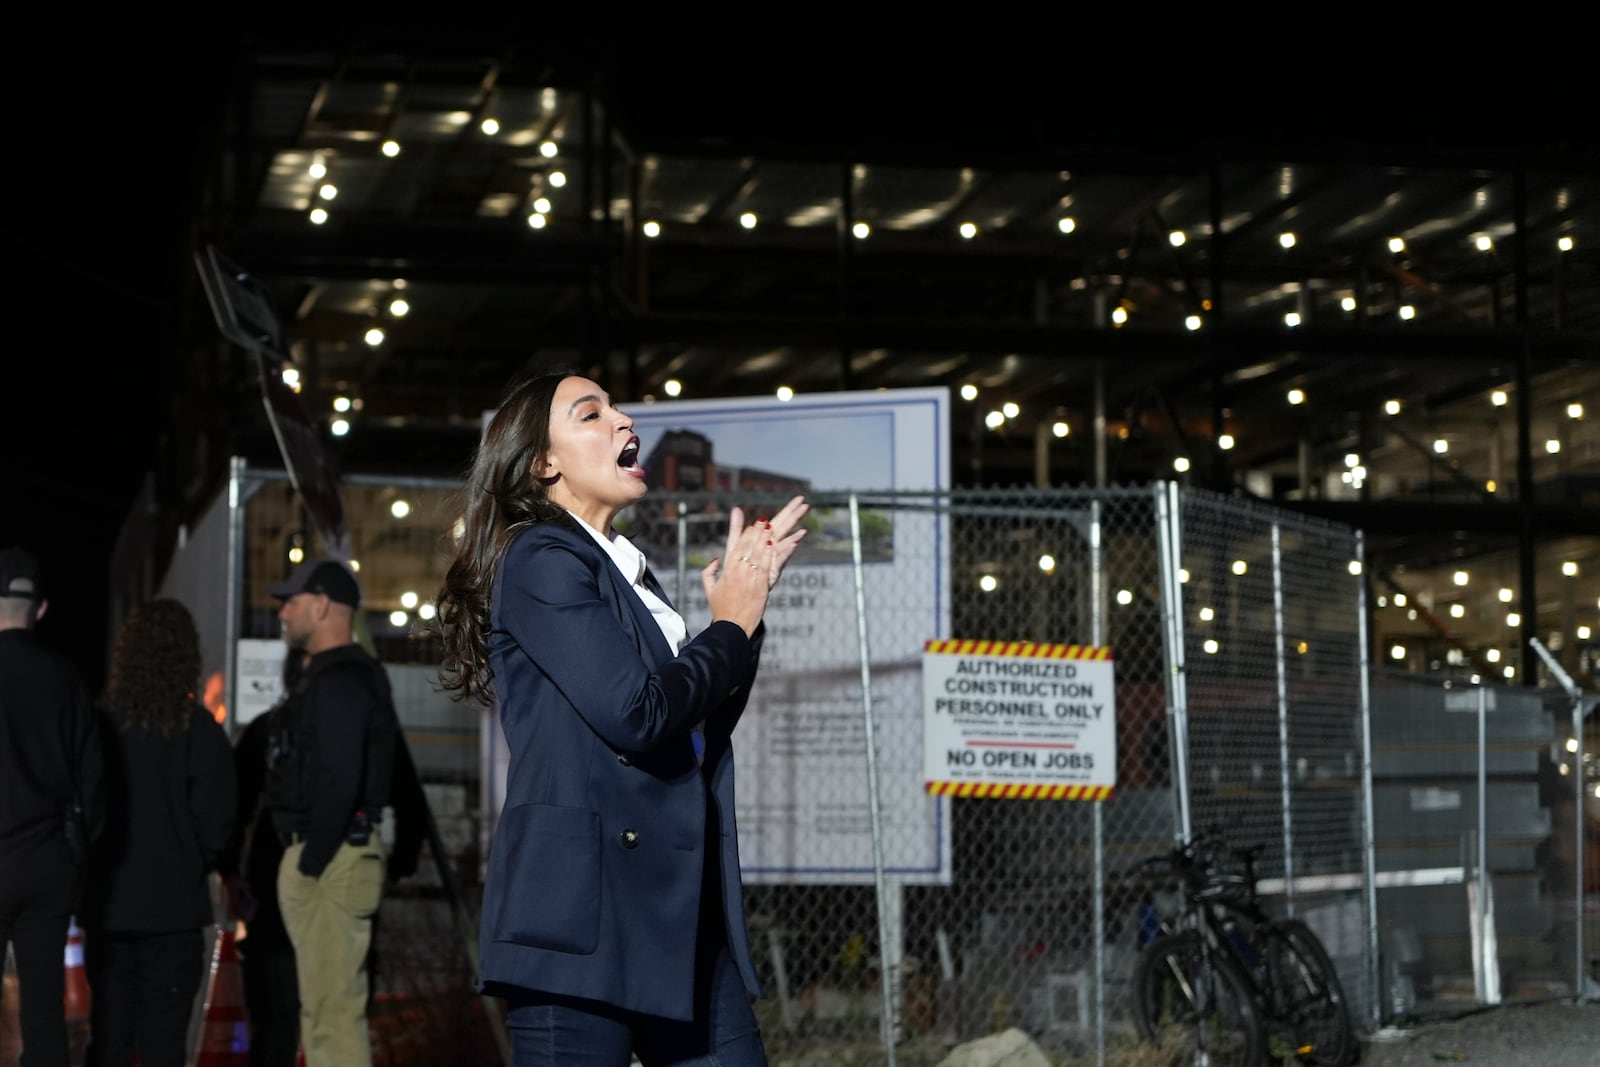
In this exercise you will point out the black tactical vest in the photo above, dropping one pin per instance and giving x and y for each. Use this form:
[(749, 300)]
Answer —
[(291, 779)]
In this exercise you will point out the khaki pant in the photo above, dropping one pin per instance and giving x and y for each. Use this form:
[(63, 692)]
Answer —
[(329, 920)]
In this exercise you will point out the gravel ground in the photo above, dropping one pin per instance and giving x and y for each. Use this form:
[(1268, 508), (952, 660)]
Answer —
[(1561, 1033)]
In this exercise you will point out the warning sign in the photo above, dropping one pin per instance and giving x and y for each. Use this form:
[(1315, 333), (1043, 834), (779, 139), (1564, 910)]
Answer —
[(1018, 719)]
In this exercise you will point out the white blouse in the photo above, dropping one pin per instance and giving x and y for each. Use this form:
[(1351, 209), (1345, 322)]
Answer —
[(630, 561)]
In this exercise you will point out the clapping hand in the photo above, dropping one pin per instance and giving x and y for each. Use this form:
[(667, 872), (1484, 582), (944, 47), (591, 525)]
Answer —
[(753, 559)]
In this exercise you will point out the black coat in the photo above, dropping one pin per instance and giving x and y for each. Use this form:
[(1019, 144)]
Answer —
[(170, 818), (48, 747), (595, 886)]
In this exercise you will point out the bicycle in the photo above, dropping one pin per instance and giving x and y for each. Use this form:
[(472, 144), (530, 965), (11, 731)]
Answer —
[(1226, 984)]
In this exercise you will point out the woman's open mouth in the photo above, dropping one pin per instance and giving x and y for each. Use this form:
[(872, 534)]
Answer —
[(629, 458)]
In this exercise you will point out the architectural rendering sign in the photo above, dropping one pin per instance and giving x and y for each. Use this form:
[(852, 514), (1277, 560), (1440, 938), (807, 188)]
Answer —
[(804, 808)]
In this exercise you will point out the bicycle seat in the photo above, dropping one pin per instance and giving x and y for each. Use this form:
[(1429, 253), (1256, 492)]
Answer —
[(1221, 888)]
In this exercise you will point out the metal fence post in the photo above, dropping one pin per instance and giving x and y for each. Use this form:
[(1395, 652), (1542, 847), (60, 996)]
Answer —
[(1279, 637), (1168, 531), (1485, 967), (234, 594), (683, 551), (1369, 847), (1097, 638), (887, 949), (1564, 680)]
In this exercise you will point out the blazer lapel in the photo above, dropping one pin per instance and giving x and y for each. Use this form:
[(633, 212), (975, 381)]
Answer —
[(646, 634)]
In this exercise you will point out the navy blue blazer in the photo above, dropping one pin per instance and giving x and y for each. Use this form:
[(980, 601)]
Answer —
[(593, 888)]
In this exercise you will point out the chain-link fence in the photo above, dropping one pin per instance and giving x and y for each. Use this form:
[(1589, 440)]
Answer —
[(1479, 794), (991, 912), (424, 1008), (1272, 662), (1238, 640)]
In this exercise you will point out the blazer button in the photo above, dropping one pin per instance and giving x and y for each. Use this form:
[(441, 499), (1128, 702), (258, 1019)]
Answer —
[(630, 839), (623, 759)]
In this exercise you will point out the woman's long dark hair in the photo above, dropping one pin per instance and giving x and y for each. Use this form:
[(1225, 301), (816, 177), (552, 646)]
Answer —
[(155, 667), (502, 498)]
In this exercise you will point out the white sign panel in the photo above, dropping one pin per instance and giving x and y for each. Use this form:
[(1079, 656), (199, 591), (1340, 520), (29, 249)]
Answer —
[(1018, 719), (260, 677)]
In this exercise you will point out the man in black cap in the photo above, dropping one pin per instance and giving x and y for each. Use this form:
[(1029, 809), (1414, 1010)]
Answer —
[(330, 760), (50, 803)]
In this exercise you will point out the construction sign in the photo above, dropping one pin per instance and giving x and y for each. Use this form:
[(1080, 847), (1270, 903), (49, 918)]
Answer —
[(1018, 719)]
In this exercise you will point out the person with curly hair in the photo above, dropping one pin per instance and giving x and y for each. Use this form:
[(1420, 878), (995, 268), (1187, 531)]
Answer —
[(171, 789), (613, 919)]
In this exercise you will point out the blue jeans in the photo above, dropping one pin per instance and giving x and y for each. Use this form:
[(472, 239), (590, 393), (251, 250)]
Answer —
[(548, 1029)]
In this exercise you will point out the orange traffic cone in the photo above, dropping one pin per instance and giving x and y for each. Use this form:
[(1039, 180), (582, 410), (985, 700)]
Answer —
[(224, 1026), (75, 999)]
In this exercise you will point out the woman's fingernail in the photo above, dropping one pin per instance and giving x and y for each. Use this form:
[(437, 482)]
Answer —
[(769, 543)]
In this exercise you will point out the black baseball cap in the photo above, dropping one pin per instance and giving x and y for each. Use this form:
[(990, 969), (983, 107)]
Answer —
[(324, 577), (20, 575)]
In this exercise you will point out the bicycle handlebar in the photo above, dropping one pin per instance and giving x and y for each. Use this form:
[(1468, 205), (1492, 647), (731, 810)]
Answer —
[(1193, 860)]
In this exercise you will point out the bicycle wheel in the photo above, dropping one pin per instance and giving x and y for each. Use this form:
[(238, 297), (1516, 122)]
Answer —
[(1200, 1016), (1306, 998)]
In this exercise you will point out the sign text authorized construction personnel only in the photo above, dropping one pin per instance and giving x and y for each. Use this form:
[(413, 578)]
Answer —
[(1017, 719)]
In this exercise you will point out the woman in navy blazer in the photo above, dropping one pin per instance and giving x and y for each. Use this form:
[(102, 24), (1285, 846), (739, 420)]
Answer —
[(613, 920)]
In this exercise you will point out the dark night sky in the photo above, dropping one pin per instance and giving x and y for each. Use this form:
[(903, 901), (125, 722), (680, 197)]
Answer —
[(87, 379), (84, 403)]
